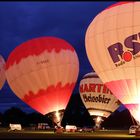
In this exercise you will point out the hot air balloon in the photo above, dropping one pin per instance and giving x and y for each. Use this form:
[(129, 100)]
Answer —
[(42, 72), (97, 98), (2, 72), (113, 47)]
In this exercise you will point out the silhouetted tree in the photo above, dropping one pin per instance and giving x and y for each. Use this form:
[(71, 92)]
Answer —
[(76, 112), (35, 118), (1, 117), (14, 115), (120, 120)]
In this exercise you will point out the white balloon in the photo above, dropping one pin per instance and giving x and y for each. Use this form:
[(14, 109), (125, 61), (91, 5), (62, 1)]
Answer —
[(113, 48), (97, 98)]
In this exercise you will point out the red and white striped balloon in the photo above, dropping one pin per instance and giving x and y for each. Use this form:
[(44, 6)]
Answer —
[(42, 72), (2, 72)]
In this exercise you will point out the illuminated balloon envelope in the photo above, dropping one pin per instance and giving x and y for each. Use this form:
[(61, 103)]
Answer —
[(97, 98), (2, 72), (113, 48), (42, 72)]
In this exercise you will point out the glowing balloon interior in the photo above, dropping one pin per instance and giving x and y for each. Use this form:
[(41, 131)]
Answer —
[(97, 98), (42, 72), (113, 48), (2, 72)]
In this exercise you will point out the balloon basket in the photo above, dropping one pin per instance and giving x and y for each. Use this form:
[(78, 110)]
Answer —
[(98, 120), (56, 117)]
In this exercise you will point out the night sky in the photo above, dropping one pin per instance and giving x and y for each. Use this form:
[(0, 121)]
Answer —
[(22, 21)]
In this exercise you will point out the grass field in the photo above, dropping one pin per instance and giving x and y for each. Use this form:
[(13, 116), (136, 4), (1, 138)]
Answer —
[(32, 134)]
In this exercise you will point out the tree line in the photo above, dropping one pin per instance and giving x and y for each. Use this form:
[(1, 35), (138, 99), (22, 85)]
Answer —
[(75, 114)]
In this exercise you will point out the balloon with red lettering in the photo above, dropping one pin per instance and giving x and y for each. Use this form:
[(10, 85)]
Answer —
[(2, 71), (42, 72), (113, 48), (97, 98)]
